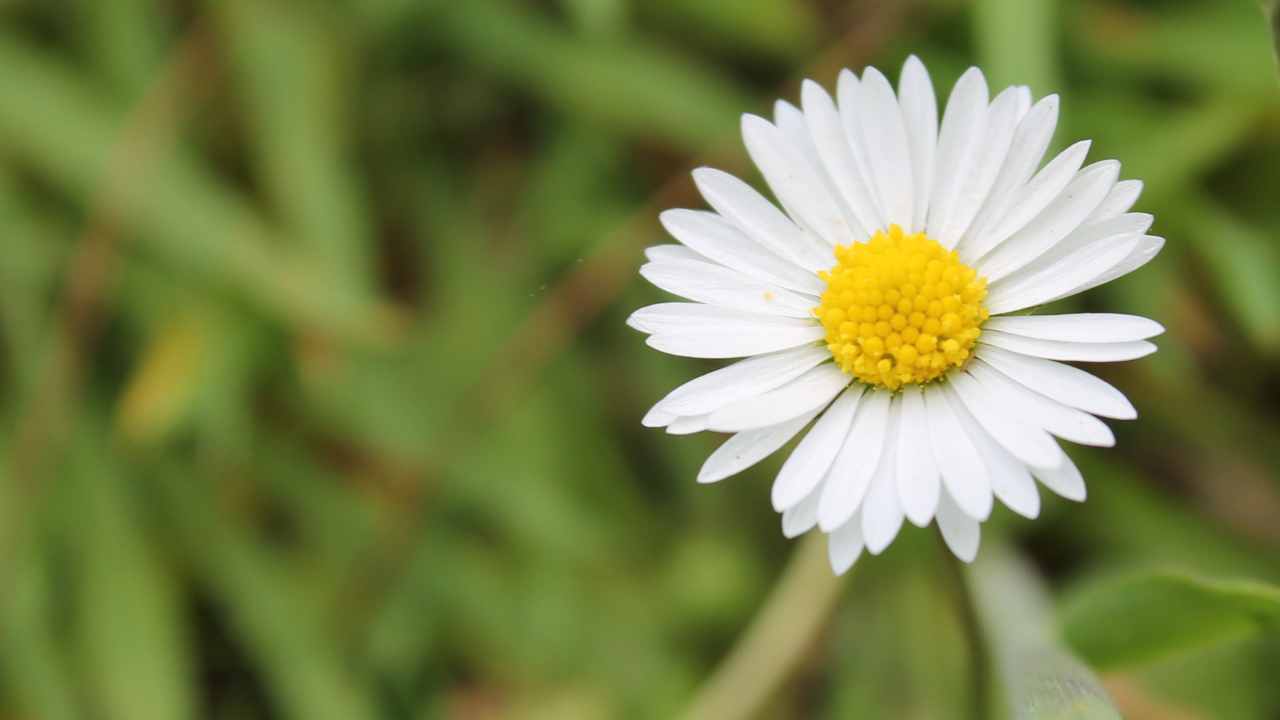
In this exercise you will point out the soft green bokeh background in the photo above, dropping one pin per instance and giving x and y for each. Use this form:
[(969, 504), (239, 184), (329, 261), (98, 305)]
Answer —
[(317, 402)]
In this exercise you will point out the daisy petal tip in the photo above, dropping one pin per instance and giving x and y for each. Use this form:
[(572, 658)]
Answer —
[(779, 499), (971, 76), (917, 517), (657, 418), (873, 74), (708, 478), (703, 175), (877, 545), (840, 566), (841, 558)]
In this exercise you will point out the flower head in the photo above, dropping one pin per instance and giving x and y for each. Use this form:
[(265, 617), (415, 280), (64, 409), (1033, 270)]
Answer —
[(879, 308)]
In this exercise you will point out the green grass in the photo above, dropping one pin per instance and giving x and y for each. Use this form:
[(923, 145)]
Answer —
[(316, 398)]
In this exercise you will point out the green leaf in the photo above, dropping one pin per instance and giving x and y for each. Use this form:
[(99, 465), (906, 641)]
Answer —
[(1040, 679), (1119, 622)]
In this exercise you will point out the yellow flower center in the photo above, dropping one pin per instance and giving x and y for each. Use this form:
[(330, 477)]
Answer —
[(900, 309)]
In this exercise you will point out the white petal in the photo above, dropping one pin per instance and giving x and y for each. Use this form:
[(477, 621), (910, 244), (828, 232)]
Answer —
[(1030, 200), (1071, 351), (696, 330), (1059, 219), (671, 252), (1062, 278), (973, 193), (1029, 144), (793, 123), (963, 473), (794, 181), (1111, 230), (1028, 443), (959, 142), (1068, 385), (741, 380), (713, 284), (657, 418), (918, 479), (748, 448), (790, 120), (1147, 248), (688, 425), (920, 117), (750, 212), (885, 139), (1064, 480), (959, 531), (731, 343), (849, 100), (881, 512), (1024, 101), (1078, 327), (1061, 420), (1010, 481), (844, 546), (851, 473), (802, 517), (812, 458), (1119, 200), (712, 236), (810, 391), (827, 130)]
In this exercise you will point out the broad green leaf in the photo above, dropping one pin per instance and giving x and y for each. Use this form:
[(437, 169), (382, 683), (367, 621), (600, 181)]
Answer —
[(1039, 679), (1120, 622)]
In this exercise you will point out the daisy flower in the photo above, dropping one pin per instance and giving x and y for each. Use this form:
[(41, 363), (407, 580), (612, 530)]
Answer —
[(885, 308)]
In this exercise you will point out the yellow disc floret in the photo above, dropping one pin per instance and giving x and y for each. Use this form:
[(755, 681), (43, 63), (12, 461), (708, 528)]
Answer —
[(900, 309)]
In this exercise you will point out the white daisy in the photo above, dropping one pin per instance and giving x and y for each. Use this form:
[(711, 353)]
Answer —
[(881, 309)]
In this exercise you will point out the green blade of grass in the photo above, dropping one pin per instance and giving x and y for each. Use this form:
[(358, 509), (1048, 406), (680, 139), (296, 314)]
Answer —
[(634, 87), (131, 626), (1039, 679), (65, 132), (292, 73)]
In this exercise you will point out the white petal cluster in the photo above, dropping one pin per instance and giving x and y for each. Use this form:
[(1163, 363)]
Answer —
[(976, 182)]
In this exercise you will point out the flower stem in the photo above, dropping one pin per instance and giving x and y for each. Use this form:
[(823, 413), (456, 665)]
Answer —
[(979, 657), (778, 638)]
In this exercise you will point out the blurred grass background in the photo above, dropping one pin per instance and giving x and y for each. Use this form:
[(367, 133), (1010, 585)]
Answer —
[(317, 400)]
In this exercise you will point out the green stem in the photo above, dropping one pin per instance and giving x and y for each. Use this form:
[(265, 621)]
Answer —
[(979, 653), (777, 640)]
